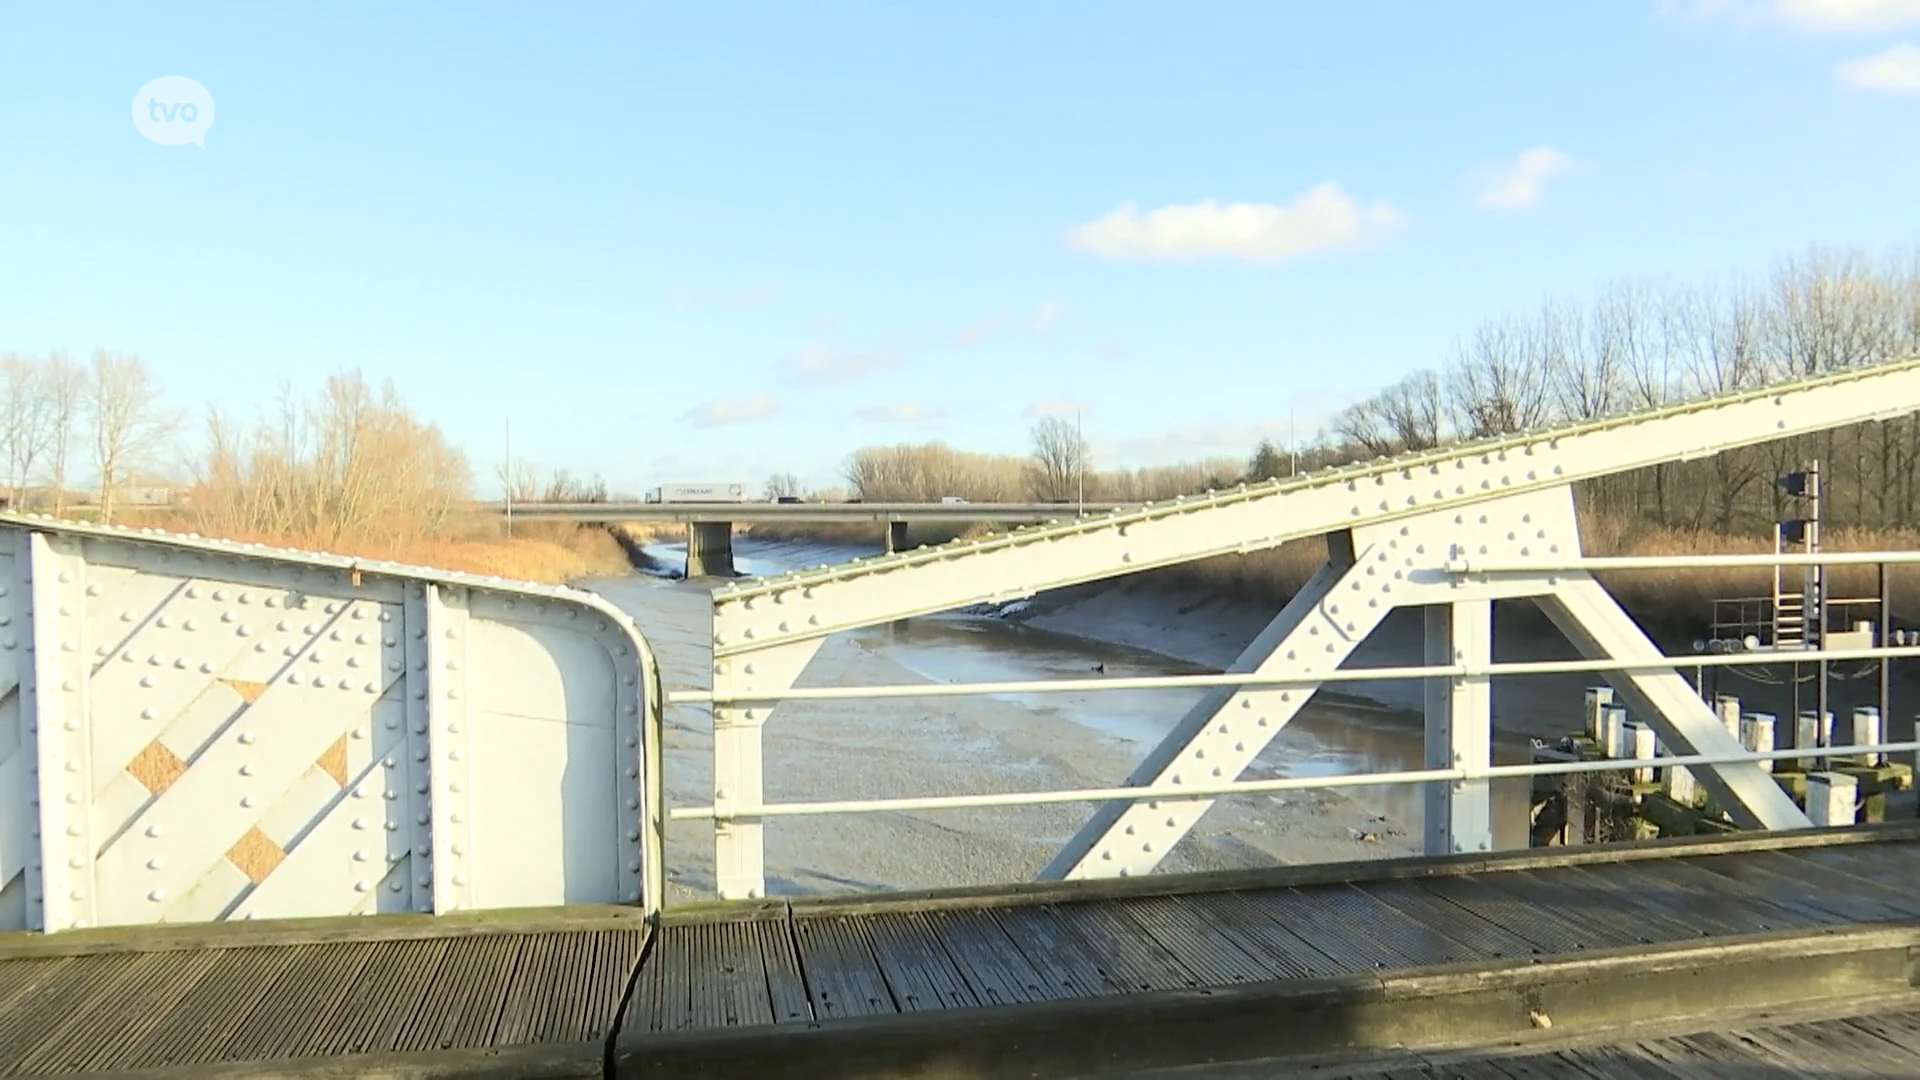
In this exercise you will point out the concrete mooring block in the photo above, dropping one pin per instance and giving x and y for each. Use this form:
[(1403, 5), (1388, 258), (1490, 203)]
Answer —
[(1639, 741), (1613, 726), (1868, 730), (1598, 698), (1832, 798), (1681, 786), (1756, 734), (1727, 708), (1812, 731)]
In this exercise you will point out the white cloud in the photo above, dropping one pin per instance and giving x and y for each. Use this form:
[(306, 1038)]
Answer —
[(821, 365), (723, 411), (1895, 71), (1048, 313), (906, 412), (1520, 182), (1818, 16), (1856, 16), (1061, 407), (1323, 219)]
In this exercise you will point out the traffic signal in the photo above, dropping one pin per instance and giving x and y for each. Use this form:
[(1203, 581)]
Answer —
[(1794, 531), (1795, 484)]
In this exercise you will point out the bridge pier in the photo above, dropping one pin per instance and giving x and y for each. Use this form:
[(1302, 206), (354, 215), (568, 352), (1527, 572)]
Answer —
[(710, 549), (896, 536)]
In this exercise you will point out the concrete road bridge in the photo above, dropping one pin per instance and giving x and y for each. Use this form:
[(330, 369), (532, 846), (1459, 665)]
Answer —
[(272, 813), (710, 525)]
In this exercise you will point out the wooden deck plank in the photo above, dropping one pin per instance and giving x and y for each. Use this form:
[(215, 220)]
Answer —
[(104, 1025), (1491, 900), (1706, 914), (1786, 887), (1286, 954), (380, 1004), (1877, 881), (996, 968), (922, 974), (1342, 938), (842, 974), (1183, 930), (208, 1016), (1414, 901), (1573, 901), (786, 986), (1421, 942), (463, 1004), (1065, 965), (1131, 955)]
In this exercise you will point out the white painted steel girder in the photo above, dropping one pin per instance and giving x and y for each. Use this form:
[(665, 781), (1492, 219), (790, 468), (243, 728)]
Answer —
[(1403, 564), (1459, 715), (1392, 565), (205, 731), (739, 864), (793, 607)]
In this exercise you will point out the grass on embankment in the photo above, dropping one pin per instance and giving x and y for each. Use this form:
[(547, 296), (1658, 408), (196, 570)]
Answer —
[(1669, 601)]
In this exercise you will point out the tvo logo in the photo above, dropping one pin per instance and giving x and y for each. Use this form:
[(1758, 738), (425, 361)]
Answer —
[(174, 111)]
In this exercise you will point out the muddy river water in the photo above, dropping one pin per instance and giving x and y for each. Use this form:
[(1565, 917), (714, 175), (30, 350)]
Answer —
[(1004, 742)]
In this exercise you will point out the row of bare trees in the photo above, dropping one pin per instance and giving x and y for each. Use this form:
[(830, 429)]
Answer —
[(350, 462), (1635, 346), (56, 413), (1638, 347)]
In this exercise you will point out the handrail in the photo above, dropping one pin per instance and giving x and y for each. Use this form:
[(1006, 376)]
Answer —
[(1291, 783), (1466, 567), (1252, 678)]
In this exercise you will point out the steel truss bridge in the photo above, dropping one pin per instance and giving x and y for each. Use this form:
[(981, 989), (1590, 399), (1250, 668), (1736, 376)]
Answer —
[(271, 813)]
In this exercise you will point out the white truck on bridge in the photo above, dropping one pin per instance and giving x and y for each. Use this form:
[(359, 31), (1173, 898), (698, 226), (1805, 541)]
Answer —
[(699, 493)]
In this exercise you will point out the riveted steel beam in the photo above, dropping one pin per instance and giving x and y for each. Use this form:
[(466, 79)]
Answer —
[(1027, 561)]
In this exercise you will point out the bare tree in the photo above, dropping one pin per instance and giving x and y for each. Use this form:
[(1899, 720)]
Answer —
[(783, 486), (66, 384), (1058, 463), (123, 408), (1494, 385), (23, 420)]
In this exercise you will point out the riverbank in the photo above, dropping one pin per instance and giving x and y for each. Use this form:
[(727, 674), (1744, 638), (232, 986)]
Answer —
[(946, 746)]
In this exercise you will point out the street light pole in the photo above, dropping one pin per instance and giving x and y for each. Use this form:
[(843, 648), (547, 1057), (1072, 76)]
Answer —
[(1080, 460), (509, 476)]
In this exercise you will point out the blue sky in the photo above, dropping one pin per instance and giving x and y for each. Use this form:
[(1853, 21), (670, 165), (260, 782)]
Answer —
[(688, 242)]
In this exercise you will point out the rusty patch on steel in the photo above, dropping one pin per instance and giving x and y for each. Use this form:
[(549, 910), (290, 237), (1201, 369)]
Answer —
[(249, 691), (333, 761), (256, 856), (156, 767)]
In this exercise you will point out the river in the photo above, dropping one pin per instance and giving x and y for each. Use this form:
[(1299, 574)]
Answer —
[(1004, 742)]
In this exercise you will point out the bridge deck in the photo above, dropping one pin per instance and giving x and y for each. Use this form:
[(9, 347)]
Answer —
[(1875, 1044), (800, 967), (939, 973), (148, 999), (1100, 972)]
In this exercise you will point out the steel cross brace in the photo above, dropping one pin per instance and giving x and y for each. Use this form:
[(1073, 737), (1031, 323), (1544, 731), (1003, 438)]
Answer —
[(1372, 571)]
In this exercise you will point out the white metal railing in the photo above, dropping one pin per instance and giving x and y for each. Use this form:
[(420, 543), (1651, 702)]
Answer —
[(1291, 783), (1249, 678), (1215, 789)]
